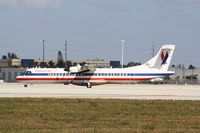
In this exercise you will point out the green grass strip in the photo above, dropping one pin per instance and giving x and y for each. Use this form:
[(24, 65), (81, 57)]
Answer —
[(25, 115)]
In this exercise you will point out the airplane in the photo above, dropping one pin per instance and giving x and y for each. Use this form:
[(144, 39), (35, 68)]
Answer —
[(88, 76)]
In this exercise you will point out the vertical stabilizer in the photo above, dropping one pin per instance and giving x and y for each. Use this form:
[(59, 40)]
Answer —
[(163, 58)]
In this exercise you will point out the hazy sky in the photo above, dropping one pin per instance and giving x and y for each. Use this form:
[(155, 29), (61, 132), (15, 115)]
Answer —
[(94, 28)]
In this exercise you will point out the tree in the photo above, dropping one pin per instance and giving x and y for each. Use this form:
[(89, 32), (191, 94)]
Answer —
[(173, 65), (83, 63), (10, 56), (60, 64), (191, 67), (51, 64), (130, 64), (35, 64), (43, 64), (74, 64), (181, 66), (4, 57), (192, 77)]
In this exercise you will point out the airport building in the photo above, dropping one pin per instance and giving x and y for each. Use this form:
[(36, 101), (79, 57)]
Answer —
[(10, 63), (14, 63), (10, 74), (185, 76)]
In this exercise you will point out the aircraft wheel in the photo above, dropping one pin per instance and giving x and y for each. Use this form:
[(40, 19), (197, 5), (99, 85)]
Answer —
[(66, 83), (88, 85), (25, 85)]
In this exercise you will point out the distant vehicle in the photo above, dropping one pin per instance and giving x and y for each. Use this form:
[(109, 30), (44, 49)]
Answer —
[(88, 76)]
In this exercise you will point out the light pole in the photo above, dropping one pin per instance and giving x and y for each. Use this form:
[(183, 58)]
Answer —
[(65, 50), (42, 51), (122, 42)]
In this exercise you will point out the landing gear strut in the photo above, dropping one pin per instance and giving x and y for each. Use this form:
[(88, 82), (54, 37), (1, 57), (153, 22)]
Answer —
[(88, 85)]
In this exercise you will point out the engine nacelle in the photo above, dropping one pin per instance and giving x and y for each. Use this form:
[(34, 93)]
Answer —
[(157, 80), (85, 68), (75, 69)]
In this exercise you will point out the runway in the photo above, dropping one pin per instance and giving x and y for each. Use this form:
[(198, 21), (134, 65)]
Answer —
[(163, 92)]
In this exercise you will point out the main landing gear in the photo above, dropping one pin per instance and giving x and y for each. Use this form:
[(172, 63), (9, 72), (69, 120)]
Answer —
[(88, 85)]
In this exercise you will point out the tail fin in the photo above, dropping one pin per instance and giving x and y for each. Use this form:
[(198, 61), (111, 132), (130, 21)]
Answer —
[(163, 58)]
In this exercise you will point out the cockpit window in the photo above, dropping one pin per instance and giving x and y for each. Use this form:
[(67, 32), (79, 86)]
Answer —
[(28, 72)]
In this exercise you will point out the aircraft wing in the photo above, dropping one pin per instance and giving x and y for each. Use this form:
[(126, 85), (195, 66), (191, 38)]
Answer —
[(82, 69)]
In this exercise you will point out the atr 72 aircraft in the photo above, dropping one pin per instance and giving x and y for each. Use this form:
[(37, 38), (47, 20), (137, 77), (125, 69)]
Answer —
[(88, 76)]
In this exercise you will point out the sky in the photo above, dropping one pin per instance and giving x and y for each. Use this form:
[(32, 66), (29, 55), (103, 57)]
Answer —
[(95, 28)]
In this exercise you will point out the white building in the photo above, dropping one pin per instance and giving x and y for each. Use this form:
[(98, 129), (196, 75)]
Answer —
[(181, 75), (10, 74)]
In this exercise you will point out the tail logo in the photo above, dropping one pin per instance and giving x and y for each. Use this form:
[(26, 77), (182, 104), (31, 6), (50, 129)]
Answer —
[(164, 58)]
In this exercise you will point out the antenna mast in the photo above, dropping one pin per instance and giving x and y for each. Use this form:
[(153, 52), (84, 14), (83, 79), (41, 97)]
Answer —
[(65, 50), (153, 51)]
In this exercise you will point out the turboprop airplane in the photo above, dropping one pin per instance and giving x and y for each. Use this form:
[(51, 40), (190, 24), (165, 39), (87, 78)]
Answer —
[(88, 76)]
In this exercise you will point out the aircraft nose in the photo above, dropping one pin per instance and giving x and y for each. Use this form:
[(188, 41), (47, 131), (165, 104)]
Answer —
[(18, 77)]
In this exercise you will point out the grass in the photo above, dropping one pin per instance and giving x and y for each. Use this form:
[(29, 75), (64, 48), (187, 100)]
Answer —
[(98, 115)]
